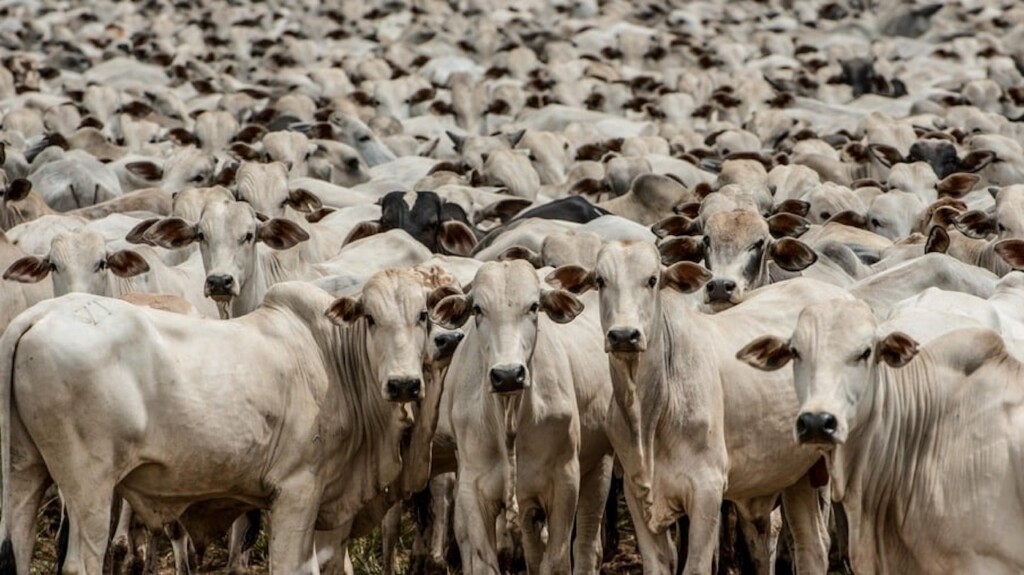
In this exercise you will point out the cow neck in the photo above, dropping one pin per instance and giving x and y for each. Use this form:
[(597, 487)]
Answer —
[(417, 446), (1008, 297), (891, 430)]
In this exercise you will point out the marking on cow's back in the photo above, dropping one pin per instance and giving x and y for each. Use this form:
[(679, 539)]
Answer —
[(92, 312)]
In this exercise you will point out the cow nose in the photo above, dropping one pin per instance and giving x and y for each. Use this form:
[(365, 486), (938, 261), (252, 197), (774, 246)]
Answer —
[(816, 427), (402, 389), (625, 339), (446, 343), (219, 284), (720, 290), (509, 378)]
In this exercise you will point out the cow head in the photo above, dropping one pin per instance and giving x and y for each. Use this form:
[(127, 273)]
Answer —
[(393, 307), (78, 263), (20, 204), (629, 277), (834, 350), (265, 187), (227, 234), (505, 303), (439, 225)]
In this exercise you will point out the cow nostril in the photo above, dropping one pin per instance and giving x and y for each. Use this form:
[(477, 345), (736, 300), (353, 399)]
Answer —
[(804, 422), (828, 423)]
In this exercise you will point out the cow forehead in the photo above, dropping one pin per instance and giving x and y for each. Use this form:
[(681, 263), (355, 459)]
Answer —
[(628, 259), (510, 281), (395, 294), (837, 325), (77, 245), (735, 227), (227, 217)]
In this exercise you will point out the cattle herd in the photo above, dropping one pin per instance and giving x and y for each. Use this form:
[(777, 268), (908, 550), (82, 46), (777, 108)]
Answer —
[(282, 270)]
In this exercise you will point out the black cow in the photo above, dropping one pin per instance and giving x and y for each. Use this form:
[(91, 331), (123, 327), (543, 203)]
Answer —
[(441, 226)]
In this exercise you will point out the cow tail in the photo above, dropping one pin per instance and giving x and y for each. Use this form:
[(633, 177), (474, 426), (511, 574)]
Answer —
[(62, 537), (8, 348)]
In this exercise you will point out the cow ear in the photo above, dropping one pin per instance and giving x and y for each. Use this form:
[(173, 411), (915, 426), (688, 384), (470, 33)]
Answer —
[(896, 349), (888, 156), (572, 278), (560, 305), (452, 311), (515, 137), (849, 218), (170, 233), (1012, 252), (938, 240), (17, 190), (137, 234), (677, 226), (795, 207), (127, 263), (792, 255), (319, 214), (685, 277), (244, 152), (681, 249), (957, 185), (767, 353), (28, 270), (303, 201), (703, 190), (502, 210), (977, 161), (689, 209), (522, 253), (439, 293), (457, 140), (457, 238), (146, 170), (226, 176), (976, 224), (280, 233), (785, 224), (362, 230), (345, 310), (945, 216)]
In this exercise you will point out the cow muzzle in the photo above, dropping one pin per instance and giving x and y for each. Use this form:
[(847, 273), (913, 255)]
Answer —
[(508, 378), (220, 286), (817, 428), (445, 344), (624, 340), (403, 389), (718, 292)]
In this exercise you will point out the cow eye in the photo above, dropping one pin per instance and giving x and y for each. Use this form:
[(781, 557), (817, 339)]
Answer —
[(424, 316), (197, 178), (1002, 228), (825, 215), (864, 356), (599, 281), (477, 311), (248, 237), (370, 321), (534, 307), (200, 237), (101, 265), (652, 281), (757, 245), (364, 138), (794, 353), (707, 242)]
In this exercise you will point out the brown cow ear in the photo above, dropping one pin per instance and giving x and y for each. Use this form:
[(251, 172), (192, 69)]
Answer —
[(28, 270), (795, 207), (560, 305), (439, 293), (888, 156), (896, 349), (849, 218), (689, 209), (785, 224), (572, 278), (457, 238), (502, 210), (957, 185), (767, 353), (945, 216), (977, 161), (146, 170), (1012, 252), (452, 311), (170, 233), (244, 152), (319, 215), (703, 189), (521, 253), (137, 234), (681, 249), (792, 255), (17, 190), (303, 201), (345, 310), (280, 233), (685, 277), (976, 224), (362, 230), (127, 263), (938, 241), (677, 226)]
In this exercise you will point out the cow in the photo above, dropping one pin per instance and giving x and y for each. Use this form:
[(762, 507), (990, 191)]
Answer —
[(361, 375), (439, 225), (938, 424), (517, 380), (686, 424)]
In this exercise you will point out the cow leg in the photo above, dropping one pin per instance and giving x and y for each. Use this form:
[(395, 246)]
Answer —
[(244, 532), (561, 516), (474, 529), (806, 512), (760, 532), (332, 550), (292, 520), (442, 493), (179, 547), (120, 544), (655, 548), (532, 522), (24, 494), (594, 488), (705, 511), (390, 531), (89, 512)]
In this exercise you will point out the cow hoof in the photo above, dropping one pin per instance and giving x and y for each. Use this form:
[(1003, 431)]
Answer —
[(118, 552), (432, 566)]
